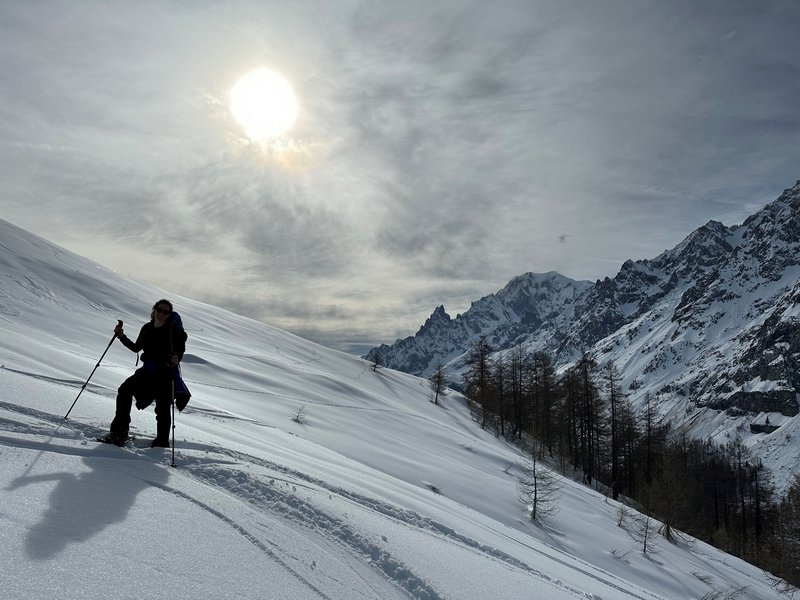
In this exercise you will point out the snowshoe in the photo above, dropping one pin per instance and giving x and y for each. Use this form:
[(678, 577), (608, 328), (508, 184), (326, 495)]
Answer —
[(118, 439)]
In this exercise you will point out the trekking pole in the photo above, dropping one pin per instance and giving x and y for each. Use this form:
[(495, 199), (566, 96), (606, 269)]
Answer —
[(83, 387), (173, 420), (175, 372)]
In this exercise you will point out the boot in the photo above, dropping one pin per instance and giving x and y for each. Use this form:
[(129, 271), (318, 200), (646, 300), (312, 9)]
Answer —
[(114, 437)]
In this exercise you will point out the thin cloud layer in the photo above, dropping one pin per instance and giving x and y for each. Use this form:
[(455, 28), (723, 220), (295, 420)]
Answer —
[(441, 148)]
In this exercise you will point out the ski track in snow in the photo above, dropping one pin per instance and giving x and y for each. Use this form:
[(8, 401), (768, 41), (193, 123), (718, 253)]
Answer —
[(56, 380), (263, 493), (243, 532), (253, 490)]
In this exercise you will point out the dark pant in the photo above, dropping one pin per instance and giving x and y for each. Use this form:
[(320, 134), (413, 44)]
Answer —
[(146, 384)]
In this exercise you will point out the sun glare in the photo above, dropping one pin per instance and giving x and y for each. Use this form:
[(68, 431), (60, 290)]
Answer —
[(264, 104)]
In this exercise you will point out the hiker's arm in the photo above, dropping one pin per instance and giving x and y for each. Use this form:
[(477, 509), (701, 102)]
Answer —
[(130, 345)]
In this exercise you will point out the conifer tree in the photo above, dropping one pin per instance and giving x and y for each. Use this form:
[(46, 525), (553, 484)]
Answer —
[(439, 383), (538, 487), (477, 377)]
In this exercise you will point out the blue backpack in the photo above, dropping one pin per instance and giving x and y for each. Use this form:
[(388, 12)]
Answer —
[(175, 319), (182, 393)]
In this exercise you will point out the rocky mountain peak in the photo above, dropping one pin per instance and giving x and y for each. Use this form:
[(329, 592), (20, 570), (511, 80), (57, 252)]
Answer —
[(439, 318)]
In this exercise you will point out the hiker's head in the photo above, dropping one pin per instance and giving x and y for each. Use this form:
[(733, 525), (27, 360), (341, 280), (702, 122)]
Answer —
[(161, 311)]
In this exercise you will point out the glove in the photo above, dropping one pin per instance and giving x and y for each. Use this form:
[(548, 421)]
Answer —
[(181, 400), (142, 403)]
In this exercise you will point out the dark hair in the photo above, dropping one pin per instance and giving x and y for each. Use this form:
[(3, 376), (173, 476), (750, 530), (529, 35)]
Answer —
[(162, 301)]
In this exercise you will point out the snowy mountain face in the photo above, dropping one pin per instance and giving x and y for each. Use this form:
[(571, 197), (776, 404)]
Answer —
[(532, 308), (300, 472), (709, 329)]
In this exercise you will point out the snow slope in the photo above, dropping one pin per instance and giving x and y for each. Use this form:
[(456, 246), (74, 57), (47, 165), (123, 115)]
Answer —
[(301, 472)]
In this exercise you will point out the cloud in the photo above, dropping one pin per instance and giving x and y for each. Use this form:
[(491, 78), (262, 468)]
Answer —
[(441, 148)]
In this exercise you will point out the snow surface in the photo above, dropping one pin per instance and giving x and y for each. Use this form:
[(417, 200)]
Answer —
[(301, 472)]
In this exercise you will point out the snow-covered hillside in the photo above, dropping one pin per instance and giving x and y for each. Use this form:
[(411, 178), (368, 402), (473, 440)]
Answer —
[(301, 472)]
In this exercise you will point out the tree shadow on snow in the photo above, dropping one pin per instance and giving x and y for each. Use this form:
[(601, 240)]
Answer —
[(83, 504)]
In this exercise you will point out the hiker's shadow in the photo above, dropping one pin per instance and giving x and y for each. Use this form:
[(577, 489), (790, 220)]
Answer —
[(83, 504)]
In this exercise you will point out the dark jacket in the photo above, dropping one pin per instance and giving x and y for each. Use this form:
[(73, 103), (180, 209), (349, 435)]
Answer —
[(157, 345)]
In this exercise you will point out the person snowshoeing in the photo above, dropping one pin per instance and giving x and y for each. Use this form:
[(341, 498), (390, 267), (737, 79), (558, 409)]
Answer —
[(162, 342)]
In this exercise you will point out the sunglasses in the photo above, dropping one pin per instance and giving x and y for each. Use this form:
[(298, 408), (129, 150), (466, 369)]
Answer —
[(163, 311)]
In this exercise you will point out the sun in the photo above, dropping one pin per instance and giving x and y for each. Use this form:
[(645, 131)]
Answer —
[(264, 104)]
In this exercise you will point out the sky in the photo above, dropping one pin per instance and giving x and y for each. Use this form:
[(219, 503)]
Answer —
[(440, 148), (300, 473)]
